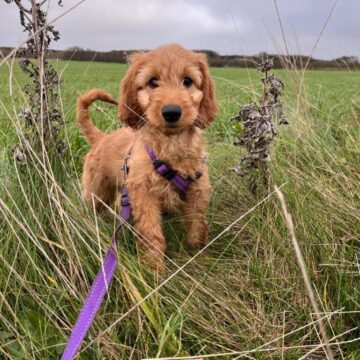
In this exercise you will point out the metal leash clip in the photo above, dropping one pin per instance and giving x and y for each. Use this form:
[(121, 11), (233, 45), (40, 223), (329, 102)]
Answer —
[(125, 167)]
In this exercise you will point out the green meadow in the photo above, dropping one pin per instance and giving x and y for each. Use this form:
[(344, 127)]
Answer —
[(244, 297)]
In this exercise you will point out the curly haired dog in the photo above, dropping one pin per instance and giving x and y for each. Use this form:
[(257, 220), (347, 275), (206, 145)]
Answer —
[(166, 98)]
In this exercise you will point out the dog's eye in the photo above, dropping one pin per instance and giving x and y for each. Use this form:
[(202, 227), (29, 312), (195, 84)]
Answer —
[(153, 83), (187, 82)]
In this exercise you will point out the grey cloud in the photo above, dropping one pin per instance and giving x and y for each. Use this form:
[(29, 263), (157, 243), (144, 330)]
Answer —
[(227, 26)]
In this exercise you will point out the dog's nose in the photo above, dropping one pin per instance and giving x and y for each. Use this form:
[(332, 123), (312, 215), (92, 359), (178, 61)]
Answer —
[(171, 113)]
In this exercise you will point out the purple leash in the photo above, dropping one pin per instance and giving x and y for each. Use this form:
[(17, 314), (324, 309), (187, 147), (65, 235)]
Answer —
[(98, 288), (107, 271)]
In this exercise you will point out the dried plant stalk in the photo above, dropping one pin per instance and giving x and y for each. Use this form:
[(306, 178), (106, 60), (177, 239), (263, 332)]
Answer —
[(42, 119), (259, 128), (305, 275)]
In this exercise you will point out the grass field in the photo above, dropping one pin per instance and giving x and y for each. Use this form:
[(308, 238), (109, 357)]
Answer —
[(244, 297)]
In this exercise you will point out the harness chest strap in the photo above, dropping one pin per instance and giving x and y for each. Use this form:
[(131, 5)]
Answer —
[(181, 183)]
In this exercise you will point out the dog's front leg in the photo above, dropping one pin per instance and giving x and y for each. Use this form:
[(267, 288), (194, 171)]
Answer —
[(197, 201), (147, 215)]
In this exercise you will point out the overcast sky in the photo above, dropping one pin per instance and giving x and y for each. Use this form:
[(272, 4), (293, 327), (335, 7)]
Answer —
[(226, 26)]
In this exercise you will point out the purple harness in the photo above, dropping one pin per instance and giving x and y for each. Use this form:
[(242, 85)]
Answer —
[(181, 183), (107, 271)]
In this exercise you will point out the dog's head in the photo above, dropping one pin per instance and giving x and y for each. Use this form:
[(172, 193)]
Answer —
[(169, 88)]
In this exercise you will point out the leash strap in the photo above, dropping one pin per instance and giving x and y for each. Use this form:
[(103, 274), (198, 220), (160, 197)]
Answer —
[(98, 288), (181, 183)]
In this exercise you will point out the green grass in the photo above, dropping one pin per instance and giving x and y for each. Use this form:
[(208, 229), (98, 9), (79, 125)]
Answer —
[(245, 293)]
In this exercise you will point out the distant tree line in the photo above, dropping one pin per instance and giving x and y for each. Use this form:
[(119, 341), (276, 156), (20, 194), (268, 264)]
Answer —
[(215, 59)]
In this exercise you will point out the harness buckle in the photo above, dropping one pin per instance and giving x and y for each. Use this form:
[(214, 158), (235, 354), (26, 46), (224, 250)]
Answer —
[(164, 170), (157, 163)]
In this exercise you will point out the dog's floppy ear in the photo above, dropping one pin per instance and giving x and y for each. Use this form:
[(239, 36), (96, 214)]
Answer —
[(208, 107), (130, 111)]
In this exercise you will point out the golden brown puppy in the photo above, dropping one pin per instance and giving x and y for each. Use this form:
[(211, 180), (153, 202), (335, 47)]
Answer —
[(166, 98)]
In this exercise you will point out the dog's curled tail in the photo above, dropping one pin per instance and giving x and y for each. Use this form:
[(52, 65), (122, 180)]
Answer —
[(92, 133)]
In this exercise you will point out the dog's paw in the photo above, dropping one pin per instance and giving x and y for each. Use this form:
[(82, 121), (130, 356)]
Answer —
[(197, 236), (154, 262)]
